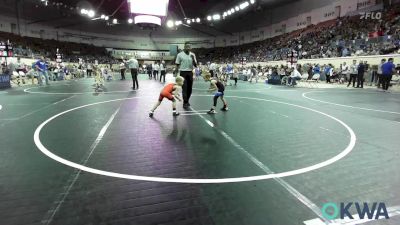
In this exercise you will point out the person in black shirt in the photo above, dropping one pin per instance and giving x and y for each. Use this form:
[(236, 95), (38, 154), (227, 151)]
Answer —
[(220, 88), (149, 71)]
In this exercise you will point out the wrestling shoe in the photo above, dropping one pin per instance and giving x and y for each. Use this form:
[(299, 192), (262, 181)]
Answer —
[(211, 112), (151, 114), (175, 114), (225, 109)]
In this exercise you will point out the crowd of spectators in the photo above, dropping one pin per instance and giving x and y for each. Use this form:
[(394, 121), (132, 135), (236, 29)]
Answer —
[(29, 47), (346, 36)]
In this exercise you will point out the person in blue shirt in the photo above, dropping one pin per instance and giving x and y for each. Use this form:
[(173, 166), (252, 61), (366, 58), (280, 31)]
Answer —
[(41, 67), (316, 69), (387, 72)]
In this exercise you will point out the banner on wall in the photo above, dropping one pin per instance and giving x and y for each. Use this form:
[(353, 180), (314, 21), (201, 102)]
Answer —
[(5, 80)]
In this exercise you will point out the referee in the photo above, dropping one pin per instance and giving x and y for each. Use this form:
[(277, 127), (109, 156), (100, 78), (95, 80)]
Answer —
[(133, 65), (186, 61)]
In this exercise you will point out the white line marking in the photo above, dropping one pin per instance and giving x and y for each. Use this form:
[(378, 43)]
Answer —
[(341, 155), (74, 93), (244, 90), (286, 90), (392, 212), (348, 106), (1, 107), (187, 111), (302, 198), (64, 195), (193, 114), (37, 110)]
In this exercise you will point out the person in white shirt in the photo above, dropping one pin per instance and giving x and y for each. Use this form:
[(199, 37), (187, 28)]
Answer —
[(89, 69), (20, 68), (162, 71), (345, 70), (186, 62), (253, 74), (353, 73), (212, 69), (122, 67), (383, 61), (133, 65), (156, 68), (295, 75), (344, 73)]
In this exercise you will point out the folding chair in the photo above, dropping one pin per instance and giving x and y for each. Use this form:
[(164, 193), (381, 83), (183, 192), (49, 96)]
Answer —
[(304, 78), (314, 80), (21, 76)]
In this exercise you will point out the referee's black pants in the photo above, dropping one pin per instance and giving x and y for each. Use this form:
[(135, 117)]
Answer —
[(163, 73), (134, 73), (353, 78), (187, 85)]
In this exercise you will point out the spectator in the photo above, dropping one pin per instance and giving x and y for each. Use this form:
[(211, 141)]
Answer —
[(41, 66), (387, 72), (360, 74), (353, 73)]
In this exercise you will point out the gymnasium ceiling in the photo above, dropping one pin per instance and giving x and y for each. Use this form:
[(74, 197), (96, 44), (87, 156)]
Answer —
[(69, 18)]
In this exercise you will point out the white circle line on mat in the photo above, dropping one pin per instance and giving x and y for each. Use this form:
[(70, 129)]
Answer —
[(317, 166), (343, 105)]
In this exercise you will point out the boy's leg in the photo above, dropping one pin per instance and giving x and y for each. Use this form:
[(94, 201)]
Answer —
[(212, 110), (225, 108), (156, 105), (174, 112)]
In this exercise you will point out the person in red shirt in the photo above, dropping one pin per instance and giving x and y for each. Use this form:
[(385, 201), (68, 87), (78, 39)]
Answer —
[(171, 92)]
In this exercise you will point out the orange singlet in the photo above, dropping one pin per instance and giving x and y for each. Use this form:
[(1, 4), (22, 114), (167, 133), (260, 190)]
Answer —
[(167, 92)]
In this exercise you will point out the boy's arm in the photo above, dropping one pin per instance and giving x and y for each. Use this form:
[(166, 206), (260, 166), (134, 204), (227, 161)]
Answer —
[(176, 92), (212, 88)]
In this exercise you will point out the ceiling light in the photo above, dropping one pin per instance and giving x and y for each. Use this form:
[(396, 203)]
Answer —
[(91, 13), (244, 5), (198, 20), (170, 23), (225, 14), (83, 11), (106, 18), (237, 8), (209, 18), (115, 21), (193, 20), (147, 19), (130, 20), (103, 16), (216, 17), (252, 1), (188, 21)]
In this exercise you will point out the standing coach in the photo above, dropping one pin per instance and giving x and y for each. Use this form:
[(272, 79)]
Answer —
[(186, 61)]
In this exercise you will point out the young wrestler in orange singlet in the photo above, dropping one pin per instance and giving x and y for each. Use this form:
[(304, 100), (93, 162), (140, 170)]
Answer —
[(171, 92)]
